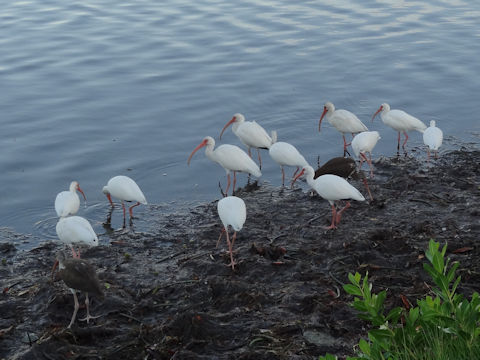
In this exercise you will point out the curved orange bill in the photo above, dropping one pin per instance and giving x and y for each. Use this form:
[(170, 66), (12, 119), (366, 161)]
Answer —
[(321, 117), (379, 109), (202, 144), (81, 191), (296, 177), (227, 125)]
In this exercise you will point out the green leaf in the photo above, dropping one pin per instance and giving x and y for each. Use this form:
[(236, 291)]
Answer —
[(328, 357), (352, 289), (394, 314), (354, 279), (364, 347)]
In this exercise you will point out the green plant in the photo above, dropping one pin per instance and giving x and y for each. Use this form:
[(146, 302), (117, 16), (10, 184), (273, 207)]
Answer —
[(445, 326)]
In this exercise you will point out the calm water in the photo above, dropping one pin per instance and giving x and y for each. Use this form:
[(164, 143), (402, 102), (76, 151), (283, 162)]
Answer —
[(93, 89)]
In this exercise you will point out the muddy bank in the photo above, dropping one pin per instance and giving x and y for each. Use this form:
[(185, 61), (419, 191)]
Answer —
[(171, 295)]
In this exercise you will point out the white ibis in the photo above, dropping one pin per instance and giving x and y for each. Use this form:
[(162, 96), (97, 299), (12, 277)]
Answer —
[(342, 120), (250, 134), (433, 138), (68, 202), (364, 143), (125, 189), (232, 212), (400, 121), (331, 188), (230, 157), (345, 168), (285, 154), (79, 274), (75, 229)]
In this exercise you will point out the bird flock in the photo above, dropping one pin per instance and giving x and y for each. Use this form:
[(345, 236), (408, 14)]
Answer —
[(77, 273), (328, 181)]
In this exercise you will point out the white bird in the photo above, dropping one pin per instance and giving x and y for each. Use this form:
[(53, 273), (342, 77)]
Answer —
[(433, 138), (125, 189), (232, 212), (68, 202), (76, 229), (72, 230), (331, 188), (400, 121), (250, 134), (342, 120), (230, 157), (285, 154), (364, 143)]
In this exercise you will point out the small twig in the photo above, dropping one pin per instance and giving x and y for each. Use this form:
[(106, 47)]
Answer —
[(421, 201), (188, 258), (130, 317), (171, 256)]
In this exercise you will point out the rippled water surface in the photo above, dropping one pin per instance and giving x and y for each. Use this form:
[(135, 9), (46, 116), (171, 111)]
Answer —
[(92, 89)]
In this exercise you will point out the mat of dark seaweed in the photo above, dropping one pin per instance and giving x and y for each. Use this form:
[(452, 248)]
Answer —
[(170, 295)]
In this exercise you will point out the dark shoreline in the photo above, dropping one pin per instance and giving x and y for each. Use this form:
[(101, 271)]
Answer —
[(170, 294)]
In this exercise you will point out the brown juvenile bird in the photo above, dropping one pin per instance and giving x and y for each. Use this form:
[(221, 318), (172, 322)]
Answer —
[(79, 274), (343, 167)]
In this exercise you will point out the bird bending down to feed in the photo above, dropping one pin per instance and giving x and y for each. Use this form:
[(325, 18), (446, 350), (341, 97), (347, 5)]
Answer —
[(250, 134), (232, 212), (364, 143), (68, 202), (125, 189), (331, 188), (230, 157), (433, 138), (400, 121), (285, 154), (76, 229), (342, 120), (345, 168), (79, 274)]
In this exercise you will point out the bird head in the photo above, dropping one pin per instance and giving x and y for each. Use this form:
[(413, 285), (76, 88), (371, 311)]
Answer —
[(384, 107), (326, 108), (237, 118), (77, 187), (208, 140)]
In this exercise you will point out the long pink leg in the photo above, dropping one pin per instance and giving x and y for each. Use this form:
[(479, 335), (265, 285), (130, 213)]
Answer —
[(259, 159), (398, 145), (220, 237), (368, 189), (428, 153), (345, 151), (228, 184), (295, 173), (230, 247), (283, 176), (369, 162), (339, 214), (406, 138), (334, 214), (234, 181), (124, 215), (131, 208), (361, 160)]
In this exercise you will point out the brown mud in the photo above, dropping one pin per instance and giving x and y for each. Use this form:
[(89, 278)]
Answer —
[(170, 295)]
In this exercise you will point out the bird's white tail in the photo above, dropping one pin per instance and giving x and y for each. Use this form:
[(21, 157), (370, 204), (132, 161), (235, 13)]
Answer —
[(274, 136)]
